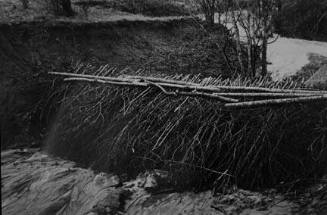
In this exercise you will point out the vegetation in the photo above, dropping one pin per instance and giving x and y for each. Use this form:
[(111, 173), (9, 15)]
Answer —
[(303, 19), (170, 47), (255, 19), (61, 7), (316, 62), (132, 129), (151, 7), (25, 3), (209, 8)]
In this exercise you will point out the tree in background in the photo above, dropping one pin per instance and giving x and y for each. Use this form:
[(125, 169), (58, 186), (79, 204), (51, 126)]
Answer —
[(263, 12), (61, 7), (252, 26), (209, 7), (303, 19)]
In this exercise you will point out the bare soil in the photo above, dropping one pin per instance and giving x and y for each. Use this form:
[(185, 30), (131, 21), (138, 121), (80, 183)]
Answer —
[(34, 183)]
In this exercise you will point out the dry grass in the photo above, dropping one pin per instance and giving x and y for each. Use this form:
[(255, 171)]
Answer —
[(129, 130)]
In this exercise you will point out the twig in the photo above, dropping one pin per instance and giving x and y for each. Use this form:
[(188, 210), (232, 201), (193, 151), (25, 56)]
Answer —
[(276, 101), (201, 91), (107, 82), (209, 95), (161, 88), (216, 87), (219, 96), (91, 76), (261, 95), (188, 85), (146, 84)]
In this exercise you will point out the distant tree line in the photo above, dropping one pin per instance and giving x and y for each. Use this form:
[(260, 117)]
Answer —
[(302, 19), (57, 7)]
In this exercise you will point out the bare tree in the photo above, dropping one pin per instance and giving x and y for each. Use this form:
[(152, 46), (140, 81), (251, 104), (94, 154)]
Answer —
[(251, 24), (254, 18), (264, 11)]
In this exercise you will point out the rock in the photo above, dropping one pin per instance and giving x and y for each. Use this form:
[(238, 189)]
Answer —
[(319, 79)]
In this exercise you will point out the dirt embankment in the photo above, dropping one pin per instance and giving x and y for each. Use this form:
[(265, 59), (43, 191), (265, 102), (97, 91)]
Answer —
[(29, 50), (116, 43)]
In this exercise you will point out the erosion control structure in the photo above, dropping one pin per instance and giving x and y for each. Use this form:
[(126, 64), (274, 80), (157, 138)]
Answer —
[(205, 132)]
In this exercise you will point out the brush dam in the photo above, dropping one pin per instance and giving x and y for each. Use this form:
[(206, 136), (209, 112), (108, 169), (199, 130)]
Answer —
[(130, 130)]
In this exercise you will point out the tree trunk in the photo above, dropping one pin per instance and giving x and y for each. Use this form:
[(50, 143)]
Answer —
[(249, 63), (264, 56), (238, 43), (254, 60)]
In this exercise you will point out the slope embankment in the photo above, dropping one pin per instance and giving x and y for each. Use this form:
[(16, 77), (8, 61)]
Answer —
[(29, 50)]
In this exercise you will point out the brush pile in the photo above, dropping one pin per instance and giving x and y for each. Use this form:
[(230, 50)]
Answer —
[(205, 133), (229, 95)]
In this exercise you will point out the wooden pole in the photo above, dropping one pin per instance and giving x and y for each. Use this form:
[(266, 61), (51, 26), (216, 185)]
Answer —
[(188, 85), (225, 94), (260, 103)]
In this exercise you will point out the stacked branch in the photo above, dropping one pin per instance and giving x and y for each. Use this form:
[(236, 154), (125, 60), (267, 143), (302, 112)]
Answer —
[(229, 96), (129, 124)]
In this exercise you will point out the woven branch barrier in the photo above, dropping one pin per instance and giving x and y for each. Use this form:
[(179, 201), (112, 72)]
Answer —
[(205, 132), (229, 96)]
